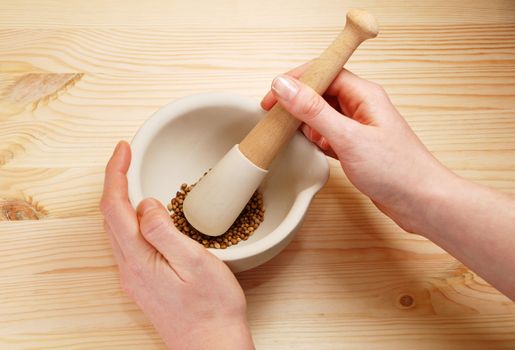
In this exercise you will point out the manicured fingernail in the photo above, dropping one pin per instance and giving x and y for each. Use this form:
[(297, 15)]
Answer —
[(284, 87), (306, 130), (147, 205)]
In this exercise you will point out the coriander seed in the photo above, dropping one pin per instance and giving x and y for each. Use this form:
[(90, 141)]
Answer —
[(247, 222)]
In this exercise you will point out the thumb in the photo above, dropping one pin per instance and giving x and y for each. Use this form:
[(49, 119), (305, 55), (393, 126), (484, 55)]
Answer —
[(305, 104), (158, 229)]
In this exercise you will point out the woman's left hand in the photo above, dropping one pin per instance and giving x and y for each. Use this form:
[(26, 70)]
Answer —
[(191, 297)]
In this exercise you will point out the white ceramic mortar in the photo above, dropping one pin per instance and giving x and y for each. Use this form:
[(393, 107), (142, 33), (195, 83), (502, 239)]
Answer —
[(185, 138)]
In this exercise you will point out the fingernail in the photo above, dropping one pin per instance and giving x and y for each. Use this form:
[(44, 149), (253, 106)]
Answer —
[(147, 205), (306, 130), (284, 87), (118, 145)]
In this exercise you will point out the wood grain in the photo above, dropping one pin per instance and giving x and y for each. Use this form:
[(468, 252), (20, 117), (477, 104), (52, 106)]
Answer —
[(75, 77), (171, 50), (236, 14)]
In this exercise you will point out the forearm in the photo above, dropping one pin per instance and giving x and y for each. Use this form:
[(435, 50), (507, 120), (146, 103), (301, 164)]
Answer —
[(476, 225)]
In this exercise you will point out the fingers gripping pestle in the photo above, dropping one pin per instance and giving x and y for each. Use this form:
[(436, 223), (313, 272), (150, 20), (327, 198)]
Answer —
[(218, 198)]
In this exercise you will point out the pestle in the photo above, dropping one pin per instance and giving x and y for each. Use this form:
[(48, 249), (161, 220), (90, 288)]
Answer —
[(218, 198)]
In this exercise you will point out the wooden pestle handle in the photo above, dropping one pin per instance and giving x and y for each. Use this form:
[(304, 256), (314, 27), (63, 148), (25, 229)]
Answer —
[(274, 131)]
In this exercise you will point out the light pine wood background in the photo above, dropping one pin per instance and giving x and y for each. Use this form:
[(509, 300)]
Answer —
[(76, 76)]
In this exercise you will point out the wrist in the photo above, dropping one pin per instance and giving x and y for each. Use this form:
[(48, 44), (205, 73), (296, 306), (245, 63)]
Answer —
[(224, 335), (421, 205)]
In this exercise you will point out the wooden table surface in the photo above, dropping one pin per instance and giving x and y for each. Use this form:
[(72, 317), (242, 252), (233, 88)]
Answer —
[(76, 76)]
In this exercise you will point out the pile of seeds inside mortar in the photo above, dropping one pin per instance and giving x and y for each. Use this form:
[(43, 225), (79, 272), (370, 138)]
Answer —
[(244, 226)]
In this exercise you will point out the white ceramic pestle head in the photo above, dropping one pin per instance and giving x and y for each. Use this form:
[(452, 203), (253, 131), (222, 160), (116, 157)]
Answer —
[(214, 203)]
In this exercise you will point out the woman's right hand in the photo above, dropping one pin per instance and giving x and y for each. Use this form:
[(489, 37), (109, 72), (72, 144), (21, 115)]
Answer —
[(357, 124), (385, 160)]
